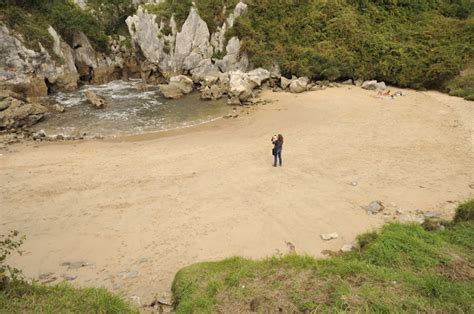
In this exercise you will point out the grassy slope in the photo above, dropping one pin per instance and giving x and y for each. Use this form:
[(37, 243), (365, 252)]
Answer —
[(21, 297), (402, 268)]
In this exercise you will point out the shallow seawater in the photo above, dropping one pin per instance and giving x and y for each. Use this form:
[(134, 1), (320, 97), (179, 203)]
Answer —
[(130, 110)]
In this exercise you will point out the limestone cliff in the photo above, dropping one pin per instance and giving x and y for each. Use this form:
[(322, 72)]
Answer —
[(189, 50)]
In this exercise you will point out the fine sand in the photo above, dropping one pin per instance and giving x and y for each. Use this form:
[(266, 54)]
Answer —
[(140, 208)]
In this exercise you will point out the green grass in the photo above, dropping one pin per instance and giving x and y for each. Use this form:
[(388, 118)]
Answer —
[(403, 268), (21, 297)]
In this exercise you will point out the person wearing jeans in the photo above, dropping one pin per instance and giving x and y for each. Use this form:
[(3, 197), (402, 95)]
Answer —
[(277, 142)]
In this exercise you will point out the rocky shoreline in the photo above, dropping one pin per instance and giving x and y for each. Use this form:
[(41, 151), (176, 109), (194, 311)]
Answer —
[(179, 62)]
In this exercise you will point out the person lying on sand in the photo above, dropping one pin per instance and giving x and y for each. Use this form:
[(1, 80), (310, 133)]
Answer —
[(277, 142), (383, 93)]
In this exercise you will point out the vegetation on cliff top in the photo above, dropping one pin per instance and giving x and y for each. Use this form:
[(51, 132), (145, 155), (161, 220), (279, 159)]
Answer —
[(402, 268), (31, 18), (416, 43)]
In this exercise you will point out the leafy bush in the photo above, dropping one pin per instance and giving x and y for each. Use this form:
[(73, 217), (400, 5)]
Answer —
[(9, 244), (465, 212), (31, 19)]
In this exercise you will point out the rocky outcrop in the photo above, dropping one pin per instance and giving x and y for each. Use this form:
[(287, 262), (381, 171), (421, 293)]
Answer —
[(192, 43), (93, 67), (97, 101), (21, 69), (66, 77), (170, 52), (16, 113)]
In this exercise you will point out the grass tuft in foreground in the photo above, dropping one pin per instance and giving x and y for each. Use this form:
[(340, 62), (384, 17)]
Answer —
[(402, 268), (21, 297)]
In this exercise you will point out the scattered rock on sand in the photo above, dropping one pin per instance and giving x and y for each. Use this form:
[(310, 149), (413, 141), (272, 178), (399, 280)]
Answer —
[(69, 277), (431, 214), (374, 207), (329, 236), (47, 277), (95, 100), (76, 265), (347, 248), (128, 274)]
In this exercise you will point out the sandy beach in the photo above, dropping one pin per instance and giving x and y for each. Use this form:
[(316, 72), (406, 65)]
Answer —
[(138, 209)]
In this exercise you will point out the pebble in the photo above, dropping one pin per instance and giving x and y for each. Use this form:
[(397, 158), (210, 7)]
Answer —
[(136, 299), (76, 265), (128, 274), (69, 277), (329, 236), (354, 183), (347, 248)]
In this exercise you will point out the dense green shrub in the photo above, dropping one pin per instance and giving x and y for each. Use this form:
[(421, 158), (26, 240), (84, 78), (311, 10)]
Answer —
[(31, 19), (465, 212), (410, 43)]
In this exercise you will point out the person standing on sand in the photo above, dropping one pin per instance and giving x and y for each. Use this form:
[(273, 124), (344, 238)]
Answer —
[(277, 141)]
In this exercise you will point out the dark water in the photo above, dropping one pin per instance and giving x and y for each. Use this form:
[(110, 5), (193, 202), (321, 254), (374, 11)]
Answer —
[(130, 110)]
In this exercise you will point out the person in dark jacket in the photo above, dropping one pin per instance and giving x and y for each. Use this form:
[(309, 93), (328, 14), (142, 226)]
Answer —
[(277, 142)]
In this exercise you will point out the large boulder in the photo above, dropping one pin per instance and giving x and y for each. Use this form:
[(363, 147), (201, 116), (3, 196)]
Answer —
[(97, 101), (258, 76), (240, 86), (178, 86), (284, 82), (373, 85), (16, 113), (299, 85), (184, 83), (170, 91)]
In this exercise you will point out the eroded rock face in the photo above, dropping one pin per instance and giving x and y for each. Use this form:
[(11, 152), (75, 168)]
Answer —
[(21, 69), (233, 61), (66, 77), (16, 113), (187, 51), (192, 43)]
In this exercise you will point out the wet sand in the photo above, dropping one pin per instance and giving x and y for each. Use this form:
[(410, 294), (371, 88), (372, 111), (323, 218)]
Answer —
[(140, 208)]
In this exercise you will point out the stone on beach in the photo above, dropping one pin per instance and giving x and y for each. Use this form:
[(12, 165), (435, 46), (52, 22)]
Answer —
[(329, 236)]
